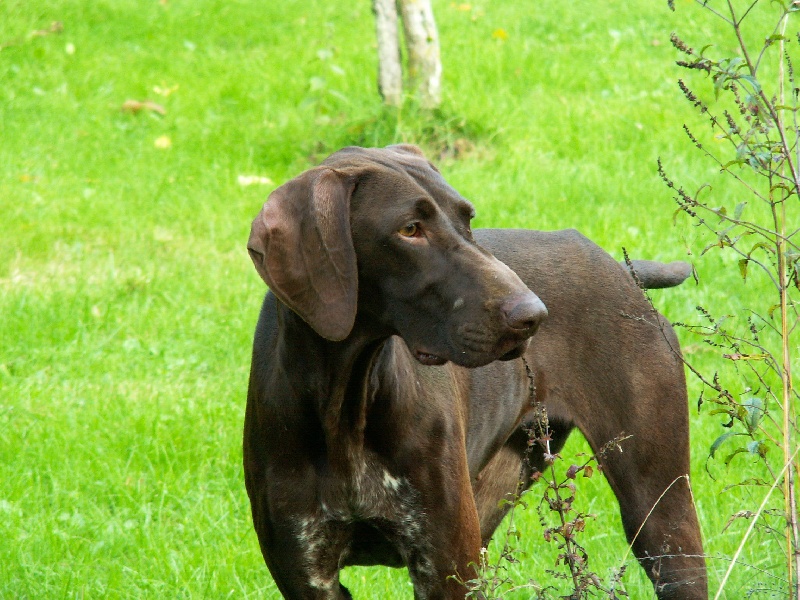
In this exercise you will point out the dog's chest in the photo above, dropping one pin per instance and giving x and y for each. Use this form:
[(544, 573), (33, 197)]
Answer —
[(370, 494), (374, 517)]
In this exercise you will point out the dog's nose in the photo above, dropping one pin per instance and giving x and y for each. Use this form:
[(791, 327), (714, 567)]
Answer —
[(525, 313)]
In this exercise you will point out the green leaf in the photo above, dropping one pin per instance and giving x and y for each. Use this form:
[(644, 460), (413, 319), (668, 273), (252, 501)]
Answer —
[(743, 268), (721, 211), (718, 442), (753, 82), (737, 212), (735, 62), (763, 246), (730, 163), (720, 83), (710, 246), (736, 239), (757, 447), (755, 412), (705, 186), (730, 456), (724, 233)]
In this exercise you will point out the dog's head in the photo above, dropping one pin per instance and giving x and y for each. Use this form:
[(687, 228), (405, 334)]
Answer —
[(378, 236)]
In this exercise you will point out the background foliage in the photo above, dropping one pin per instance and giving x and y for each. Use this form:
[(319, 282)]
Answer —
[(127, 299)]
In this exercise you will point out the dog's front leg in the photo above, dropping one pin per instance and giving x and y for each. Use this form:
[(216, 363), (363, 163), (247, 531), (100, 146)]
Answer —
[(303, 554), (449, 550), (301, 548)]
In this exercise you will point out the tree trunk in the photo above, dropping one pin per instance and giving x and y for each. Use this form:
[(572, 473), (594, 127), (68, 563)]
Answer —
[(390, 73), (422, 41)]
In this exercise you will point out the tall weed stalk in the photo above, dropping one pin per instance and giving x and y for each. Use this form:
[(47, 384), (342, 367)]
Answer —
[(563, 523), (754, 114)]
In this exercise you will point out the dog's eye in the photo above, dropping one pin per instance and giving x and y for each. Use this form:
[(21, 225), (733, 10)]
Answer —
[(410, 230)]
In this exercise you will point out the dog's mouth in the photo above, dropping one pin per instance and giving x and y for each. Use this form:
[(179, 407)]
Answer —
[(516, 351), (428, 359), (434, 360)]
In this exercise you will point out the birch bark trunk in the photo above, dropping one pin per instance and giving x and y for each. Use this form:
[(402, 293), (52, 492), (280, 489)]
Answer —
[(422, 44), (422, 41), (390, 72)]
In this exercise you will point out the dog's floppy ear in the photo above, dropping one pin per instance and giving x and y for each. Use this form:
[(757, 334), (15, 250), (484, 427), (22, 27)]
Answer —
[(301, 246)]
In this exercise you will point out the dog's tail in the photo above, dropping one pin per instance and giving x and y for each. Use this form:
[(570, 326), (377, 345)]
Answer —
[(652, 274)]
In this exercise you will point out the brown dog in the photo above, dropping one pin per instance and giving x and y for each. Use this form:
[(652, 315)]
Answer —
[(380, 426)]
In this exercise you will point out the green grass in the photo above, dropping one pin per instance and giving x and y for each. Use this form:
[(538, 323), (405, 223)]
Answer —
[(127, 299)]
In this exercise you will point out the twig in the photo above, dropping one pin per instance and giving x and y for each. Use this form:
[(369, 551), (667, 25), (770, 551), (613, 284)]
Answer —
[(752, 525), (650, 512)]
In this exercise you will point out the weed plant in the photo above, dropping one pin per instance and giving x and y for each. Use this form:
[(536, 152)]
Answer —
[(755, 119)]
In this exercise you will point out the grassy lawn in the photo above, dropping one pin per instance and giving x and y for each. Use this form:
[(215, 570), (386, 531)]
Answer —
[(127, 299)]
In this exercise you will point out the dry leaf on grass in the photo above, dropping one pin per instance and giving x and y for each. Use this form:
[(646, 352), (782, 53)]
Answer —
[(135, 106), (55, 27)]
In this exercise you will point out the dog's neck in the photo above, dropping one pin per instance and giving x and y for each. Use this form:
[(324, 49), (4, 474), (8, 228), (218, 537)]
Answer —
[(334, 378)]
